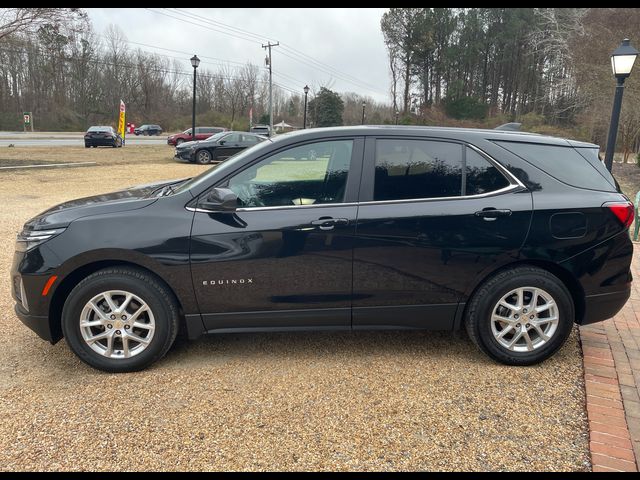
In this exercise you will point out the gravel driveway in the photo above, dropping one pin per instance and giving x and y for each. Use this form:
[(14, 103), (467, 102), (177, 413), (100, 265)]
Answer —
[(320, 401)]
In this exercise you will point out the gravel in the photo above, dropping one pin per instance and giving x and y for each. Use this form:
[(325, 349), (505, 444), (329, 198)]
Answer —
[(297, 401)]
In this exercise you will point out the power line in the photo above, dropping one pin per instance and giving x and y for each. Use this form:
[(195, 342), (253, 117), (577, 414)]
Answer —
[(142, 66), (260, 37), (293, 53)]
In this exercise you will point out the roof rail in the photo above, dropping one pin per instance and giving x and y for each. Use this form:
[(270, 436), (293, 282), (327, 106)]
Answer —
[(512, 127)]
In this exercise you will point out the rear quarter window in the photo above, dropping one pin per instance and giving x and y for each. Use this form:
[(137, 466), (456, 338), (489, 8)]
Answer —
[(566, 164)]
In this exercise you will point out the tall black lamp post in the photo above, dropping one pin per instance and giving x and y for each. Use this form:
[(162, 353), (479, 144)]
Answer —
[(195, 61), (306, 92), (622, 61), (364, 104)]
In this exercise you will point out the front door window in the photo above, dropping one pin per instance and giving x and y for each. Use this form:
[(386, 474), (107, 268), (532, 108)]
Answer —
[(310, 174)]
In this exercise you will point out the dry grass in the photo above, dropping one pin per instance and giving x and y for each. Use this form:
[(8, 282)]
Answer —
[(312, 401), (131, 154)]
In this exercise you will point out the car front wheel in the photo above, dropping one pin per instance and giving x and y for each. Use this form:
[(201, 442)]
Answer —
[(203, 157), (120, 319), (179, 141), (521, 316)]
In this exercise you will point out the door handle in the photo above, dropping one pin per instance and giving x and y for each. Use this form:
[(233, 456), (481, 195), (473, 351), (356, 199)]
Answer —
[(490, 214), (328, 223)]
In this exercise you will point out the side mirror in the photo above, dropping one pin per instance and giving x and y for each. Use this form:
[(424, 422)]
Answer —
[(221, 142), (220, 200)]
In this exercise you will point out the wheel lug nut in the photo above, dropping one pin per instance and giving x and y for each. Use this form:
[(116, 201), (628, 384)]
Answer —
[(517, 325), (525, 310), (109, 326), (527, 325), (515, 316), (113, 317), (127, 327), (124, 317), (118, 332), (531, 317)]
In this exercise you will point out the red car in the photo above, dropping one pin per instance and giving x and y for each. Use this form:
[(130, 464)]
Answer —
[(202, 133)]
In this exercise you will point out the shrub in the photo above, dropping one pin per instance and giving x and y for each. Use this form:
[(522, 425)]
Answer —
[(466, 108)]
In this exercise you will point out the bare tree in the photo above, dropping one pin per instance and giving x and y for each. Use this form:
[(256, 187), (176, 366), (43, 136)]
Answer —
[(29, 20)]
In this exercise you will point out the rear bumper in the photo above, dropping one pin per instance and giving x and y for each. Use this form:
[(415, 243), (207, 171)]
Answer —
[(100, 142), (38, 324), (603, 306)]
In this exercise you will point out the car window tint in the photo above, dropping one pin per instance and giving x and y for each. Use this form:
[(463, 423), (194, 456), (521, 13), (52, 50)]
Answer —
[(309, 174), (481, 175), (592, 156), (249, 139), (406, 169), (562, 163), (232, 138)]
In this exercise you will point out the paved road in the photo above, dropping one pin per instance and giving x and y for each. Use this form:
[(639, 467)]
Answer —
[(73, 141)]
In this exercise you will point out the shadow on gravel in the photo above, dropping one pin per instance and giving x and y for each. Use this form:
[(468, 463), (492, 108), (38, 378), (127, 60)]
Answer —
[(306, 346)]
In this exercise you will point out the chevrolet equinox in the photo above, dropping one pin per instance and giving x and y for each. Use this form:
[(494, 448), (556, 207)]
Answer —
[(512, 236)]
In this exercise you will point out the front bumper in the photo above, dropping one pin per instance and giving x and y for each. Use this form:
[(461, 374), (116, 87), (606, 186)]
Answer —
[(604, 306), (184, 155), (38, 324)]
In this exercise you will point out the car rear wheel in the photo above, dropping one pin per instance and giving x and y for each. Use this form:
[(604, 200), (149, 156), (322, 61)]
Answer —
[(203, 157), (120, 320), (521, 316)]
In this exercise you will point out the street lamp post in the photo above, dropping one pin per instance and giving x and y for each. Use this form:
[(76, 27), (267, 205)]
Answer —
[(195, 61), (306, 92), (364, 104), (397, 113), (622, 61)]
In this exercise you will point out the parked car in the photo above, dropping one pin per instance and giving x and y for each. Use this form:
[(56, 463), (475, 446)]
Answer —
[(202, 133), (217, 148), (261, 130), (102, 136), (148, 130), (512, 236)]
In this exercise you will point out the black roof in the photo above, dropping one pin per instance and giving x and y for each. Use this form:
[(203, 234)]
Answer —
[(445, 132)]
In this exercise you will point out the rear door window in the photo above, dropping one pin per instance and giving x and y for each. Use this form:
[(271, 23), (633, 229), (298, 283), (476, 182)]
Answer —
[(563, 163), (414, 169)]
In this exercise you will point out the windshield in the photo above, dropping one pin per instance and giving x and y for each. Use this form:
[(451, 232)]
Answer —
[(99, 129), (227, 166)]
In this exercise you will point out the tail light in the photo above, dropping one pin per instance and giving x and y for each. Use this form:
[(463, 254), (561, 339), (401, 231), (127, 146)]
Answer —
[(624, 211)]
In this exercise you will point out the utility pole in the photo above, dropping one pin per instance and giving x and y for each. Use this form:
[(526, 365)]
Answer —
[(268, 46)]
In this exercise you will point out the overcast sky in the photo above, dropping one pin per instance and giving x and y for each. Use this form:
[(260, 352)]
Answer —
[(347, 42)]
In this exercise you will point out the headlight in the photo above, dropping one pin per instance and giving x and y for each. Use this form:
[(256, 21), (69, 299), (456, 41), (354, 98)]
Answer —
[(28, 239)]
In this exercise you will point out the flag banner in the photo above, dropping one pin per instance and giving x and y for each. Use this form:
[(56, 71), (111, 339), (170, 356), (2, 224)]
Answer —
[(121, 121)]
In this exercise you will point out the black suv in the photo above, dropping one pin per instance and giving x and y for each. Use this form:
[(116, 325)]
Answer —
[(148, 130), (512, 236)]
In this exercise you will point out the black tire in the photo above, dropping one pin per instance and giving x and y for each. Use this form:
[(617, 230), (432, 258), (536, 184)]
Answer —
[(203, 157), (86, 146), (480, 309), (142, 284)]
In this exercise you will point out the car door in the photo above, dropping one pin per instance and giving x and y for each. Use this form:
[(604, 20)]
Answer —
[(228, 145), (433, 216), (283, 258)]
